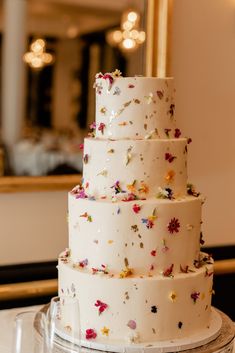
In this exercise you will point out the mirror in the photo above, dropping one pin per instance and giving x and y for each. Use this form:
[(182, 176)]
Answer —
[(57, 101)]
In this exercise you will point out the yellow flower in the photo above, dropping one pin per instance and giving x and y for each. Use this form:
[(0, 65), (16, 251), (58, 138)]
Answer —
[(170, 176), (125, 273), (116, 73), (105, 331), (173, 296), (131, 187), (143, 188), (103, 110)]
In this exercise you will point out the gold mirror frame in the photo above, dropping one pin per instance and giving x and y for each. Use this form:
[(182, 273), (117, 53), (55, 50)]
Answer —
[(157, 63)]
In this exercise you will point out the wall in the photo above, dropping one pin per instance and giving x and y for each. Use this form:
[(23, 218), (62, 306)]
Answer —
[(203, 51), (33, 226)]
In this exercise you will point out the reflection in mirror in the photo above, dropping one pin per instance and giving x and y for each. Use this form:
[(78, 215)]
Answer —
[(57, 55)]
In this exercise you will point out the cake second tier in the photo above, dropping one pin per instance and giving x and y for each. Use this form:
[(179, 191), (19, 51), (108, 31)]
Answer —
[(137, 167), (144, 237)]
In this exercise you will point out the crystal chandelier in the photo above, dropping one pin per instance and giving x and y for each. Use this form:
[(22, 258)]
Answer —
[(128, 37), (37, 57)]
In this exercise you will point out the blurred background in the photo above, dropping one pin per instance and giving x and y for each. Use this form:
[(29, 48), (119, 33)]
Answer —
[(51, 51)]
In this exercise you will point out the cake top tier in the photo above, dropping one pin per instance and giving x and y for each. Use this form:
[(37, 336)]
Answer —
[(134, 107)]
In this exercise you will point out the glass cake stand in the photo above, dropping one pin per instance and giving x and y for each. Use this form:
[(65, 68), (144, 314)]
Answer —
[(223, 343)]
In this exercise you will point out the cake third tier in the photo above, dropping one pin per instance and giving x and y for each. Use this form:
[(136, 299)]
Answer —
[(141, 237)]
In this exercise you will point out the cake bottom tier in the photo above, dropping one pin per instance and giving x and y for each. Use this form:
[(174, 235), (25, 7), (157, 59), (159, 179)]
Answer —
[(138, 309)]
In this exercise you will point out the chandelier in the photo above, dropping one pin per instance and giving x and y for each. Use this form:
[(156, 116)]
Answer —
[(37, 57), (128, 37)]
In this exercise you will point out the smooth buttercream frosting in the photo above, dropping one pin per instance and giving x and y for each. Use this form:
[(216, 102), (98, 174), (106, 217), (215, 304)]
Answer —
[(134, 258)]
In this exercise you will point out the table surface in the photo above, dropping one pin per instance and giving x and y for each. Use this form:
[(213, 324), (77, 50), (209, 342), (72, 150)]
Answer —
[(6, 324)]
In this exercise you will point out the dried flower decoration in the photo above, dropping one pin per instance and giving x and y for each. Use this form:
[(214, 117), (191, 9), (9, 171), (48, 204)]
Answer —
[(123, 123), (149, 98), (93, 125), (149, 221), (128, 155), (134, 337), (99, 75), (180, 324), (102, 306), (174, 225), (116, 186), (165, 247), (92, 129), (206, 259), (143, 188), (135, 228), (169, 157), (103, 110), (101, 128), (132, 187), (132, 324), (111, 150), (171, 110), (170, 176), (151, 134), (168, 271), (116, 73), (160, 94), (153, 252), (83, 263), (85, 158), (90, 334), (136, 208), (202, 241), (189, 140), (184, 269), (81, 146), (177, 133), (173, 296), (165, 193), (103, 172), (87, 216), (116, 91), (105, 331), (195, 296), (191, 190), (126, 273), (79, 192), (167, 132), (98, 87), (208, 273), (130, 197), (189, 227), (64, 256), (104, 269), (131, 85), (154, 309)]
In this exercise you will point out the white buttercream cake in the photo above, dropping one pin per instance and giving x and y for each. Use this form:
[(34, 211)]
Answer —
[(134, 259)]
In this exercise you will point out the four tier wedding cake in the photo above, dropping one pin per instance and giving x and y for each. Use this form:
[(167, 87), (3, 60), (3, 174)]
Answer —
[(134, 257)]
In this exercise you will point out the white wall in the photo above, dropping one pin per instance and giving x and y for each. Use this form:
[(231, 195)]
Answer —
[(203, 63), (33, 226)]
